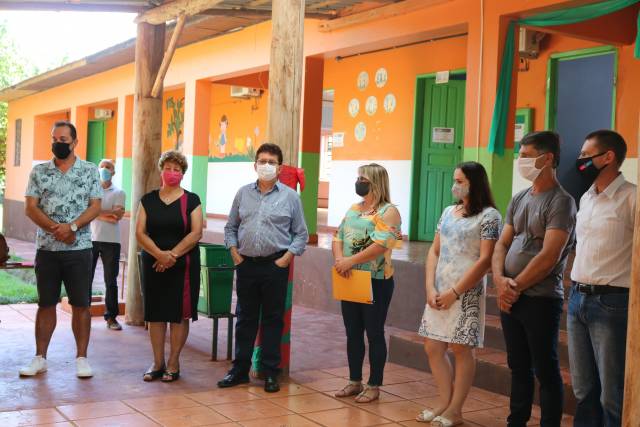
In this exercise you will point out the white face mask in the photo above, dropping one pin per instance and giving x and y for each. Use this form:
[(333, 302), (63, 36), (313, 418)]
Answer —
[(460, 191), (267, 172), (527, 168)]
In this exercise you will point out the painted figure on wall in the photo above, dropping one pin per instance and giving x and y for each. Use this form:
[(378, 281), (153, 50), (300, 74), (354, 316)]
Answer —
[(222, 140), (174, 127)]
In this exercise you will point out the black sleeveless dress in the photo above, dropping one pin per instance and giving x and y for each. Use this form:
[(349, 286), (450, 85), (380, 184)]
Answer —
[(172, 295)]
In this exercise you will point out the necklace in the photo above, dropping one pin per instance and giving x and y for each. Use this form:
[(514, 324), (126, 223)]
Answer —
[(167, 198)]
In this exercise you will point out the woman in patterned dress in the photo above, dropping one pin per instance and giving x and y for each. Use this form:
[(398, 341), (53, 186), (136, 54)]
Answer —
[(364, 241), (456, 265)]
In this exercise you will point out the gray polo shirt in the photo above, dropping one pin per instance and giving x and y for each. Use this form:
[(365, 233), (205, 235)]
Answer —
[(103, 231), (531, 216)]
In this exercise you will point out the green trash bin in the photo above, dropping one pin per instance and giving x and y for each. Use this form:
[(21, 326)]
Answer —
[(216, 279)]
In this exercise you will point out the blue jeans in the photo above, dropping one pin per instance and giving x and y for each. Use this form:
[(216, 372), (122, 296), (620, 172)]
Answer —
[(531, 335), (597, 326)]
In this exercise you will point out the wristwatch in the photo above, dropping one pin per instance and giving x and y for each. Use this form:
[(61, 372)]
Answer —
[(74, 227)]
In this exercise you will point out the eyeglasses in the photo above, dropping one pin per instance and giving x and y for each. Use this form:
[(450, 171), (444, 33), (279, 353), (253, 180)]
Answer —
[(265, 162)]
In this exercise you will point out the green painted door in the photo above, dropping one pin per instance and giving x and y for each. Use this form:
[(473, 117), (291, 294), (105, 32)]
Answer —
[(441, 130), (95, 141)]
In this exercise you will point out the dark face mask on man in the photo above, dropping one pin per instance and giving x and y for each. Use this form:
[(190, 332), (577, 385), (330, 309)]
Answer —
[(588, 169), (362, 188), (61, 150)]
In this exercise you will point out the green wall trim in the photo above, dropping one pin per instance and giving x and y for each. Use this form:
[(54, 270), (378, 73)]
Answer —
[(127, 176), (310, 162), (500, 171), (200, 171)]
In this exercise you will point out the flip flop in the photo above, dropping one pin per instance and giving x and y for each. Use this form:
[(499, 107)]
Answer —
[(425, 416), (169, 377), (441, 421)]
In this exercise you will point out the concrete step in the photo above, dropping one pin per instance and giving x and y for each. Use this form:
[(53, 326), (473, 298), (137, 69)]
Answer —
[(97, 307), (494, 339), (492, 372)]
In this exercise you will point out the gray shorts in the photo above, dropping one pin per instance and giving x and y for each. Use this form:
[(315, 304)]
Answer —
[(73, 268)]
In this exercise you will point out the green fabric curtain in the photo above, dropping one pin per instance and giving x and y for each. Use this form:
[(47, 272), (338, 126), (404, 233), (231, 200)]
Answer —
[(497, 135)]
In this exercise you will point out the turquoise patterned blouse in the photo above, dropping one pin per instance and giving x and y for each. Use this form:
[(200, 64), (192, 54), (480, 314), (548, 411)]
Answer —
[(359, 231)]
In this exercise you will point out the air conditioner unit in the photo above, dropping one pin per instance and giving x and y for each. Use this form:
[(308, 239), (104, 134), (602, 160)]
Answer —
[(529, 43), (244, 92), (102, 113)]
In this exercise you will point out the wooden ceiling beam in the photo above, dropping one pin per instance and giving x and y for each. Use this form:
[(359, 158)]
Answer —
[(166, 12), (383, 12), (259, 13)]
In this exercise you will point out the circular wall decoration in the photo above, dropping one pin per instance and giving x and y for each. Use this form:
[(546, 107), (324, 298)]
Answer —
[(371, 106), (381, 77), (363, 80), (354, 107), (360, 131), (389, 103)]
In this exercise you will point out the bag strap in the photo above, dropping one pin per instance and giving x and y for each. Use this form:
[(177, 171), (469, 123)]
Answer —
[(183, 210)]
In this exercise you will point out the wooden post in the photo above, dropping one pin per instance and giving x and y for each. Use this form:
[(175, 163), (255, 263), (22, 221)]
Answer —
[(147, 133), (631, 409), (285, 90), (285, 76)]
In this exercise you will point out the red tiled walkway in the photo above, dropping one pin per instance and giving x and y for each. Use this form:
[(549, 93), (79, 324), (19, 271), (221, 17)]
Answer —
[(117, 396)]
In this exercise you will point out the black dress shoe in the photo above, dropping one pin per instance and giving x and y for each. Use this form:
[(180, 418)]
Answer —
[(232, 379), (271, 384)]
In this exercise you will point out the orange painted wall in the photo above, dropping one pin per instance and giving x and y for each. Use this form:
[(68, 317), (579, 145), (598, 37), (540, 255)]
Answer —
[(388, 135), (42, 134), (532, 86), (169, 142), (247, 122)]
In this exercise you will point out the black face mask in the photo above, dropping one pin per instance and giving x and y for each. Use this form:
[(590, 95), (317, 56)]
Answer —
[(587, 168), (61, 150), (362, 188)]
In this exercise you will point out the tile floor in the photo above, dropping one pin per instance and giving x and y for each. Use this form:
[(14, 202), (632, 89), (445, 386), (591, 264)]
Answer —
[(116, 395)]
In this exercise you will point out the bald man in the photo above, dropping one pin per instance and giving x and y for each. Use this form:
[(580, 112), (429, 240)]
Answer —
[(105, 235)]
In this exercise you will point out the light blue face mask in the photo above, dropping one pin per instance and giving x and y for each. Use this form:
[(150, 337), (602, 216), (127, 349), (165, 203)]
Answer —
[(105, 174)]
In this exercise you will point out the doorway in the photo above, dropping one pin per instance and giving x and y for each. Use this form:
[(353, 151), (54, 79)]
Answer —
[(580, 99), (96, 137), (437, 149)]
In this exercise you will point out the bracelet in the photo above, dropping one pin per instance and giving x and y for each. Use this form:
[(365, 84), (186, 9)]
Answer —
[(455, 292)]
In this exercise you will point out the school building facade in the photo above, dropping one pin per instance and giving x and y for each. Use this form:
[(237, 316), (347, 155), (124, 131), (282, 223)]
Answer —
[(413, 90)]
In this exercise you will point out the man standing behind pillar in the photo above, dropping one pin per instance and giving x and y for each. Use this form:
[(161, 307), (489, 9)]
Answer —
[(105, 231), (266, 229)]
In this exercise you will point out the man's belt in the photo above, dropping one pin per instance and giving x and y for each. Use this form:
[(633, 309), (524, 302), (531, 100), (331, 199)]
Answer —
[(271, 257), (600, 289)]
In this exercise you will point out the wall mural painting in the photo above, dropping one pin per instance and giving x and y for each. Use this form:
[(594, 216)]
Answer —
[(224, 147), (176, 121)]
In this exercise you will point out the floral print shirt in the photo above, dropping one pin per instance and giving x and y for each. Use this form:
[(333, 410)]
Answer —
[(63, 197)]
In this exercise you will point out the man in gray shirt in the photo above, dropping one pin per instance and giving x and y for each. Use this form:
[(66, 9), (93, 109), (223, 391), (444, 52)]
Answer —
[(528, 266), (265, 230)]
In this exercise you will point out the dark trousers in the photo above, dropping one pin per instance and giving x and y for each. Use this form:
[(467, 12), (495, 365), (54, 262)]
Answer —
[(531, 334), (261, 288), (359, 318), (110, 254)]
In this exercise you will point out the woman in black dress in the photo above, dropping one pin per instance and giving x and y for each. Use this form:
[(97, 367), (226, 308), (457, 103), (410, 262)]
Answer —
[(168, 229)]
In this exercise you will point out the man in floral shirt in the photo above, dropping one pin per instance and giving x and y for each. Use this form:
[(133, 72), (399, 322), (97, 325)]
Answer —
[(62, 198)]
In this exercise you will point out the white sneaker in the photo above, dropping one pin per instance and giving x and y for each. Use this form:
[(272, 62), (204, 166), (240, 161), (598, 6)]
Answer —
[(38, 365), (83, 369)]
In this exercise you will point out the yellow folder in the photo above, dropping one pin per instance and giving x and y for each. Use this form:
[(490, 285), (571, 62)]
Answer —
[(355, 288)]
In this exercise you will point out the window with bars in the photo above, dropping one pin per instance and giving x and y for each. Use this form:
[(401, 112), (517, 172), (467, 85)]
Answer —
[(18, 145)]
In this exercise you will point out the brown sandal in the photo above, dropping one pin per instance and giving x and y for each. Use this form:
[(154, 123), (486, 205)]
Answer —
[(350, 389), (368, 395)]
